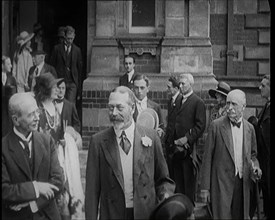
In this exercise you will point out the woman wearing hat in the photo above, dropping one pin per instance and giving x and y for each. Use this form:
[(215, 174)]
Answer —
[(71, 199), (220, 95), (22, 60)]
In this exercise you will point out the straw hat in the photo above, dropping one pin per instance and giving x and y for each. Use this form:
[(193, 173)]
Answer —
[(223, 88), (24, 37), (148, 118)]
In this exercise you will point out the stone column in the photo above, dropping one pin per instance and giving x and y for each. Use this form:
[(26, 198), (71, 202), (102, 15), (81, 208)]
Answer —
[(186, 46), (104, 64)]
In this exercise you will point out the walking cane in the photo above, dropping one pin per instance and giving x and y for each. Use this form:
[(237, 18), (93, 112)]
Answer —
[(258, 200)]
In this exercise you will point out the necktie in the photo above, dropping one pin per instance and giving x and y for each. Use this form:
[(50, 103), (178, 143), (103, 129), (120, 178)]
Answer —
[(36, 72), (125, 143), (26, 147), (238, 124)]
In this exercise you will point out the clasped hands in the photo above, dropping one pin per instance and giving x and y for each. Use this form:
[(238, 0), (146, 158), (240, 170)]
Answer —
[(45, 189)]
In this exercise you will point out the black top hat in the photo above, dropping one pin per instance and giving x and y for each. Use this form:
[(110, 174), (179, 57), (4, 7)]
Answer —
[(176, 207), (223, 88), (38, 52)]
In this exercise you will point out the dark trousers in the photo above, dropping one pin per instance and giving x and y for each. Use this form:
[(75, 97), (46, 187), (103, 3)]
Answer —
[(71, 92), (129, 213), (184, 176), (237, 208)]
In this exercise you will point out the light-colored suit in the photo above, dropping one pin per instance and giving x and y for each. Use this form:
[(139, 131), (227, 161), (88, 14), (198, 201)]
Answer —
[(218, 168), (104, 176)]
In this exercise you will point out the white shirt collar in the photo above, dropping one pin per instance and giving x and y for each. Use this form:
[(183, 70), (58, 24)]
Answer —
[(175, 96), (130, 75), (40, 66), (4, 78), (19, 134), (143, 101), (188, 94)]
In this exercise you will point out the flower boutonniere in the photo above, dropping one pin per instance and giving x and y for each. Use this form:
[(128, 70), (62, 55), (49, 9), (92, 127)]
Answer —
[(146, 141)]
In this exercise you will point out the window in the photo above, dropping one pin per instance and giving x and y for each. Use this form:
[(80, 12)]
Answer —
[(142, 16)]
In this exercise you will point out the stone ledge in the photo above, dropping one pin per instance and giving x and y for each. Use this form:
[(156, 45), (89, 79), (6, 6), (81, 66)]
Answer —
[(203, 81)]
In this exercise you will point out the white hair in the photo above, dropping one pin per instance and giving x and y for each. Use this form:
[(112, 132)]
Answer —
[(18, 100), (189, 77)]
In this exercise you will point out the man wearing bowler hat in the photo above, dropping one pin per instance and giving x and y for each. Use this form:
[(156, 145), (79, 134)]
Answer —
[(220, 94), (39, 68)]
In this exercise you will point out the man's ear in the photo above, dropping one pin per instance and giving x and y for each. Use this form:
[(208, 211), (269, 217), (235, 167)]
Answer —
[(14, 119)]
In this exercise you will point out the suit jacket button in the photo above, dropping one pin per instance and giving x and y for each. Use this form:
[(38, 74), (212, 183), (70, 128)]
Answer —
[(145, 197)]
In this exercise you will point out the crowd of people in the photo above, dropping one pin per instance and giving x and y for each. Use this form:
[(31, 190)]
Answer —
[(133, 171)]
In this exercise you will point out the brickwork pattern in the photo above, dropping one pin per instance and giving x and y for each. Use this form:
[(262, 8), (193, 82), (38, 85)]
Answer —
[(145, 63), (250, 30)]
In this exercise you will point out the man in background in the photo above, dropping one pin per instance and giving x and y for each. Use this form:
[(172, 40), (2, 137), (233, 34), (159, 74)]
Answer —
[(127, 78), (67, 60), (40, 67), (141, 85), (173, 106), (189, 127)]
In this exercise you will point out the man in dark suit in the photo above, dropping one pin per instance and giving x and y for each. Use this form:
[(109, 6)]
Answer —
[(174, 104), (263, 138), (9, 87), (126, 171), (127, 78), (189, 127), (229, 161), (66, 109), (39, 68), (141, 86), (67, 60), (31, 173)]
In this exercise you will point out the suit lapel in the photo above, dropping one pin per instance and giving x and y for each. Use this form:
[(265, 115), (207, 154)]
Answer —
[(139, 154), (110, 149), (246, 139), (39, 151), (176, 103), (17, 153), (186, 103), (63, 52), (227, 137), (43, 70)]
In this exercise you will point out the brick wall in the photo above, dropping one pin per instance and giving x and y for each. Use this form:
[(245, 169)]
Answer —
[(145, 63)]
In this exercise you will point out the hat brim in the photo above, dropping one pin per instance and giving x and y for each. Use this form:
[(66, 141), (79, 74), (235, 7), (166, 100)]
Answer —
[(175, 197), (55, 81), (212, 93), (27, 39), (148, 118)]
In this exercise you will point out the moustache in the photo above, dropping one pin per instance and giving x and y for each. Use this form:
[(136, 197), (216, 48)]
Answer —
[(116, 118)]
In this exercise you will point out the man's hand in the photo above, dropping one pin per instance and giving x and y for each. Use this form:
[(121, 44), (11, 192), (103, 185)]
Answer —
[(204, 196), (160, 132), (181, 141), (18, 207), (256, 172), (47, 189)]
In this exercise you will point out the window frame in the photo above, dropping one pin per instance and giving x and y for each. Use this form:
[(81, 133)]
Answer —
[(140, 29)]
